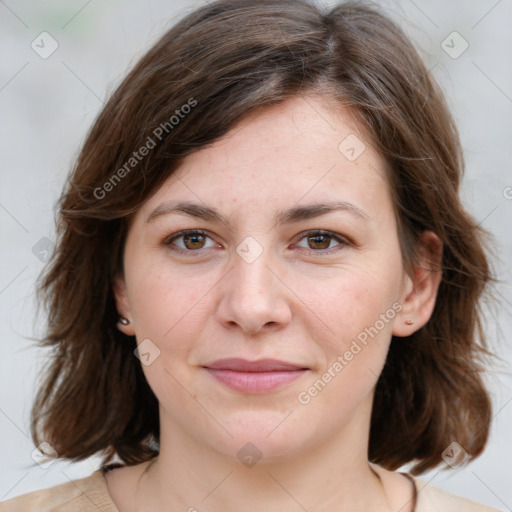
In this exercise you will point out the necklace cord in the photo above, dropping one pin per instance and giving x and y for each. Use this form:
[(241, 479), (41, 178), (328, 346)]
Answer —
[(411, 479), (109, 467)]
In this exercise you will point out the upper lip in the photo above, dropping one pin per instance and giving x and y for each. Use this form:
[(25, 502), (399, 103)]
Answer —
[(261, 365)]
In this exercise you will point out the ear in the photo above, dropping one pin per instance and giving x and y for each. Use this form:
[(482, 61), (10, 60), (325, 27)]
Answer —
[(420, 290), (123, 306)]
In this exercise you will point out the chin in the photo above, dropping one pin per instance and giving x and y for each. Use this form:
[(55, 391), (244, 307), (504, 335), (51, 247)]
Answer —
[(270, 437)]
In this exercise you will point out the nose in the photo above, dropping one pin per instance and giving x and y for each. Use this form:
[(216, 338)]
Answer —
[(254, 296)]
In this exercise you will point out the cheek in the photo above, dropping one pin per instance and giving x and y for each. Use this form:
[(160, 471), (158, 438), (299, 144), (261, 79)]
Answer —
[(356, 322), (353, 313), (169, 309), (163, 298), (349, 300)]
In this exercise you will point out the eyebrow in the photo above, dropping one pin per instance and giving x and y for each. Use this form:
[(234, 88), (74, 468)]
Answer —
[(291, 215)]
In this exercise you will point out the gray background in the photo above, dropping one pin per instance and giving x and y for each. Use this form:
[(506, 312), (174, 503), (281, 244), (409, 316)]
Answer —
[(47, 106)]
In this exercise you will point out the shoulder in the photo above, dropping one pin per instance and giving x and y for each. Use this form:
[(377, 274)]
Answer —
[(429, 498), (434, 499), (81, 495)]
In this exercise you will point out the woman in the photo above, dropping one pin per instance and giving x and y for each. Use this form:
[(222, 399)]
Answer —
[(265, 294)]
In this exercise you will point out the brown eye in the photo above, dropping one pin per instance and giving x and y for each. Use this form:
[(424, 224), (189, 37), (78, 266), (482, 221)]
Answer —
[(189, 241), (193, 241), (320, 241)]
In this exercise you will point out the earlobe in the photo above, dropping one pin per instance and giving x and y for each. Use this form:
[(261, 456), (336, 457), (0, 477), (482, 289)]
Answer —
[(124, 323), (420, 293)]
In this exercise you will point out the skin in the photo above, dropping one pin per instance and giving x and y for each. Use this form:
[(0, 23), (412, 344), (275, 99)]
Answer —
[(302, 300)]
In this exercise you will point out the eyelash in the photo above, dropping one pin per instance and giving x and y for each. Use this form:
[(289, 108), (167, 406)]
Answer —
[(343, 241)]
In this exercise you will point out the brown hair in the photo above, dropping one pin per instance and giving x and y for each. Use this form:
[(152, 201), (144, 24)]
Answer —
[(224, 60)]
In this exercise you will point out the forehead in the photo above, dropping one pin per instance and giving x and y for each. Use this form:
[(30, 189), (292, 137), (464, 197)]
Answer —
[(306, 149)]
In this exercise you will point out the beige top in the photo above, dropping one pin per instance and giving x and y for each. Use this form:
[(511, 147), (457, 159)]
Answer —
[(91, 494)]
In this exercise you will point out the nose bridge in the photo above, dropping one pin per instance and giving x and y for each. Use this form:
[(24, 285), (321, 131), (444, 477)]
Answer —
[(250, 293), (252, 275)]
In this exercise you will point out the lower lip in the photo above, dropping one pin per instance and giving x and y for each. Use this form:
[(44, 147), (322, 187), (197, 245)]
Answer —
[(255, 382)]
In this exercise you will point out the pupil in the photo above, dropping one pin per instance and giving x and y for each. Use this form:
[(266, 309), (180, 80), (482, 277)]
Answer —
[(317, 239), (196, 239)]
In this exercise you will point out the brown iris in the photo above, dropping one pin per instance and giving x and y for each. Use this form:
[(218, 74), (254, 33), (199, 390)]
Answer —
[(322, 240), (196, 241)]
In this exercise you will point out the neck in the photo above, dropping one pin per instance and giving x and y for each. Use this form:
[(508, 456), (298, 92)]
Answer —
[(189, 475)]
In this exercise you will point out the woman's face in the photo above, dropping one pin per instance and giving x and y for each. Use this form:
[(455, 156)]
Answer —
[(261, 284)]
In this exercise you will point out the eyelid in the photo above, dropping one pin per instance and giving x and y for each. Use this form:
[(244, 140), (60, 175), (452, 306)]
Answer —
[(342, 240), (169, 239)]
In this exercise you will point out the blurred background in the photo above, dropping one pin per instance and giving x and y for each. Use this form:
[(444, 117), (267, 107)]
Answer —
[(61, 59)]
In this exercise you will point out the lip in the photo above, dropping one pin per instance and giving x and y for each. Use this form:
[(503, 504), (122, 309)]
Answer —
[(254, 377)]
